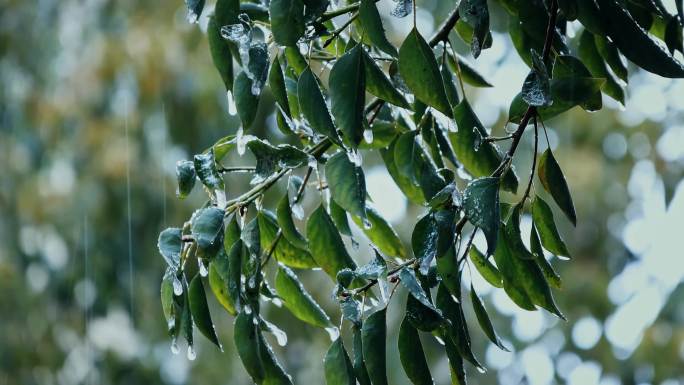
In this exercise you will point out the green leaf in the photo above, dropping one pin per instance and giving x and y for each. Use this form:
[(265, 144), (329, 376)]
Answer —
[(512, 230), (589, 53), (247, 338), (484, 321), (378, 84), (338, 367), (487, 270), (479, 159), (185, 173), (507, 264), (220, 52), (410, 190), (611, 55), (568, 66), (223, 146), (326, 244), (207, 227), (635, 43), (347, 94), (549, 273), (553, 180), (468, 73), (423, 317), (298, 300), (269, 158), (457, 329), (167, 300), (287, 21), (408, 279), (313, 107), (246, 102), (285, 252), (536, 90), (277, 83), (205, 166), (449, 86), (408, 156), (374, 340), (381, 233), (543, 219), (236, 255), (231, 232), (170, 245), (296, 60), (476, 14), (359, 365), (419, 70), (456, 369), (226, 12), (369, 17), (284, 217), (448, 271), (200, 310), (481, 205), (339, 218), (412, 355), (219, 276), (432, 236), (347, 184)]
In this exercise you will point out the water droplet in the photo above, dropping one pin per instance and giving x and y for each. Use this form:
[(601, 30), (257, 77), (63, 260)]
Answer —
[(177, 286), (367, 224), (202, 267), (563, 258), (232, 108), (174, 346), (355, 157), (248, 309), (191, 353), (333, 332), (368, 135), (439, 340), (478, 138), (481, 370), (298, 211), (241, 142), (277, 302)]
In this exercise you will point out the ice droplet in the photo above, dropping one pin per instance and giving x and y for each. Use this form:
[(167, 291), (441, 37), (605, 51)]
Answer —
[(191, 353), (298, 211), (478, 138), (563, 258), (174, 346), (171, 323), (277, 302), (241, 142), (367, 224), (439, 340), (368, 135), (220, 198), (355, 157), (280, 335), (248, 309), (333, 332), (480, 369), (232, 108), (202, 267), (192, 17), (177, 286)]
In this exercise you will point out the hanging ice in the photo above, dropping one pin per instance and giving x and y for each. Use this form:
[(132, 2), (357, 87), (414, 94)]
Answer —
[(232, 108), (202, 267), (177, 286), (191, 353), (355, 157), (174, 346), (333, 332), (368, 135)]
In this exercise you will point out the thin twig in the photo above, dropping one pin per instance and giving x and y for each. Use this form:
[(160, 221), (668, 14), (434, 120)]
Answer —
[(336, 33), (534, 161)]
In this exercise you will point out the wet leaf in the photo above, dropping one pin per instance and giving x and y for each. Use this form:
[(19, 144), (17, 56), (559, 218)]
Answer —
[(611, 55), (410, 282), (220, 52), (374, 340), (359, 365), (270, 157), (381, 234), (298, 300), (185, 173), (457, 331), (168, 302), (449, 86), (549, 273), (487, 270), (412, 356), (370, 21), (276, 82), (419, 70), (205, 166), (410, 190), (339, 217), (286, 223), (507, 264), (481, 205), (326, 244), (347, 184), (468, 73), (219, 278), (483, 319), (207, 227), (588, 51), (247, 338), (338, 368), (170, 245), (347, 94), (553, 180), (200, 310), (246, 102), (287, 21), (313, 107), (476, 14), (378, 84), (543, 220), (285, 252)]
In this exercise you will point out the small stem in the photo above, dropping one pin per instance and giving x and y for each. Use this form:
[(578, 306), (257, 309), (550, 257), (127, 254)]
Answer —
[(373, 282), (236, 169), (338, 31), (497, 138)]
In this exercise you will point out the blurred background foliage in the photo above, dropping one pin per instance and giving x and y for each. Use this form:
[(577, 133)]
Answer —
[(100, 98)]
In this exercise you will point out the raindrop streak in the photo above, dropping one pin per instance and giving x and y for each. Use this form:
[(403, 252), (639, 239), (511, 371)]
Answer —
[(86, 308), (333, 332), (128, 209)]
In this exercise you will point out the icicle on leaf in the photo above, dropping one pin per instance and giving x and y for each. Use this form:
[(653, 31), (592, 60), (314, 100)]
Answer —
[(170, 245), (205, 166)]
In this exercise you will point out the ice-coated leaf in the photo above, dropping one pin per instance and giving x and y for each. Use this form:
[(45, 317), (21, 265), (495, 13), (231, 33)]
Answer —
[(370, 21), (220, 52), (374, 340), (269, 158), (381, 234), (207, 227), (476, 14), (205, 167), (287, 21), (326, 244), (286, 223), (185, 174), (246, 102), (351, 309), (347, 94), (410, 190), (298, 300), (412, 355), (170, 245), (195, 8), (313, 107), (543, 220), (347, 184), (553, 180), (285, 252), (481, 205), (419, 70), (247, 337), (483, 319), (536, 90), (337, 366), (402, 8), (376, 268), (168, 303), (276, 82), (410, 282), (200, 310)]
